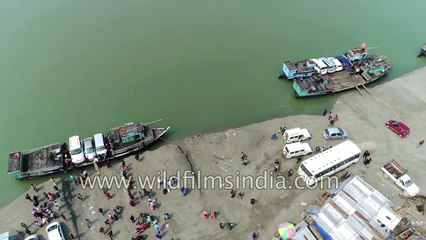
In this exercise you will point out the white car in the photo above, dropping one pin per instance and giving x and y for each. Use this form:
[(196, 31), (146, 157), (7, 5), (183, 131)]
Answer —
[(54, 231), (76, 149), (89, 149), (32, 237)]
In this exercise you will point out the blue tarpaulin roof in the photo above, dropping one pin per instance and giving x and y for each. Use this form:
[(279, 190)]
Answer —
[(343, 60), (321, 231)]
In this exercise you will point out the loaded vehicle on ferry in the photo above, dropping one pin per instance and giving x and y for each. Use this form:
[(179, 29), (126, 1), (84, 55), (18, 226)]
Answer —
[(58, 157)]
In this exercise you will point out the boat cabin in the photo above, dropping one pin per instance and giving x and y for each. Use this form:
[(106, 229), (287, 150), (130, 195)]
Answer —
[(298, 69)]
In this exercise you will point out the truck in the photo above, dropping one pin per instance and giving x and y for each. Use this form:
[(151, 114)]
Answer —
[(296, 135), (398, 175)]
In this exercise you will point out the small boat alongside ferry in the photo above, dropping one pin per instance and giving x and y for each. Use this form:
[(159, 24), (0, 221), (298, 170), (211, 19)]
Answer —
[(422, 51), (119, 142), (330, 75)]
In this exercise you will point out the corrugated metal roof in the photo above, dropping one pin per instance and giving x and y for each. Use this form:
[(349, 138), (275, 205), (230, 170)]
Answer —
[(356, 211)]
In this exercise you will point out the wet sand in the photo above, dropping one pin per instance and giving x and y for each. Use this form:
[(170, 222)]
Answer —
[(219, 154)]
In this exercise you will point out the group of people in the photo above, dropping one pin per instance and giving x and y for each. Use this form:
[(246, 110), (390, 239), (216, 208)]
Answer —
[(211, 215), (331, 119), (44, 213)]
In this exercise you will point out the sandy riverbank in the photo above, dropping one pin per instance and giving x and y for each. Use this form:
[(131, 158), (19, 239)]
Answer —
[(219, 154)]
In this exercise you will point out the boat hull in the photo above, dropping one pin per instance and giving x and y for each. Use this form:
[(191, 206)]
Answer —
[(335, 83), (48, 167)]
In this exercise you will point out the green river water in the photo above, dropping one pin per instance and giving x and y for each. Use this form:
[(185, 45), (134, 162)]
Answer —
[(81, 67)]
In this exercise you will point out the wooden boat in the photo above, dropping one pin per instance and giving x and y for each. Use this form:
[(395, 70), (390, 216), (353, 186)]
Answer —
[(360, 73), (422, 51), (120, 141), (310, 67), (323, 76)]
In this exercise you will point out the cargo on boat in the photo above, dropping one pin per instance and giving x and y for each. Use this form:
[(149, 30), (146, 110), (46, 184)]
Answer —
[(119, 141), (335, 74)]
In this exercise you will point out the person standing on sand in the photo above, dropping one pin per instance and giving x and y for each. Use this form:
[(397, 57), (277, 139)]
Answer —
[(325, 112), (184, 191), (221, 226), (95, 164), (71, 236), (336, 118), (89, 223), (34, 188), (108, 195), (27, 196), (233, 193), (421, 142), (111, 234), (254, 236), (24, 225), (230, 226), (79, 196), (107, 222), (243, 156), (366, 154)]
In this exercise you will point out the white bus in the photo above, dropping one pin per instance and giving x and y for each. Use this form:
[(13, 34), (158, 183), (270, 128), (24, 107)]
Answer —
[(331, 67), (329, 162), (319, 66)]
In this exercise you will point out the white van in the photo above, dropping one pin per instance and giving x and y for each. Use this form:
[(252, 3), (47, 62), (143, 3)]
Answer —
[(296, 135), (339, 66), (77, 155), (99, 144), (331, 67), (89, 150), (54, 231), (296, 149), (319, 66)]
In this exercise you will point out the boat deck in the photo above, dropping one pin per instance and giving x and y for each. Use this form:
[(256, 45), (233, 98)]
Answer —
[(335, 82), (34, 160)]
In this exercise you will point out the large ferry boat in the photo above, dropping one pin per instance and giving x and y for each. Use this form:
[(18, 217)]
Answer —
[(119, 141), (323, 76)]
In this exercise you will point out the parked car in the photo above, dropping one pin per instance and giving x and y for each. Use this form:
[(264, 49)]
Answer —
[(77, 155), (296, 149), (32, 237), (335, 133), (296, 135), (99, 144), (54, 231), (398, 127), (89, 149)]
